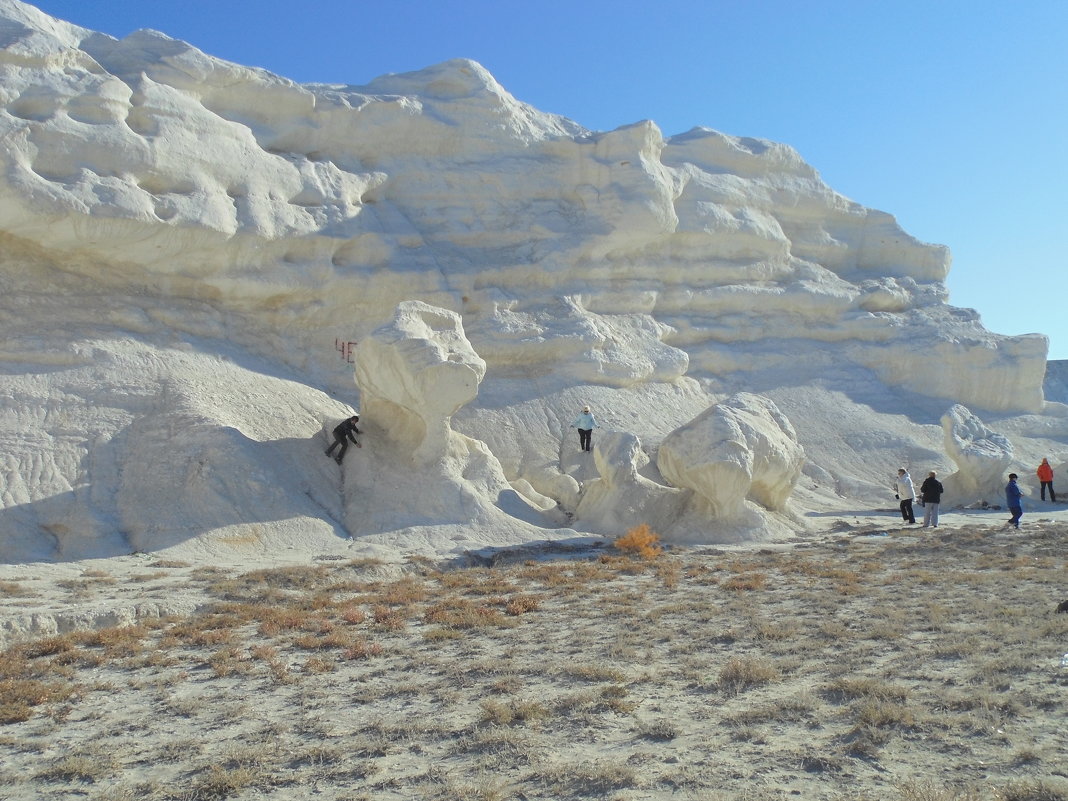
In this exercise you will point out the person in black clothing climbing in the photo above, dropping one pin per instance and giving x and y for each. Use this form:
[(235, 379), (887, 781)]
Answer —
[(344, 432)]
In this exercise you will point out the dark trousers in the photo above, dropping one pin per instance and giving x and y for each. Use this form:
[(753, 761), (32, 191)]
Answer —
[(906, 511), (1049, 484), (586, 439), (1017, 513), (344, 443)]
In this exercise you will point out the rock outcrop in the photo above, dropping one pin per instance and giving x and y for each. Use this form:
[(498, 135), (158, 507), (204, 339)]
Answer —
[(414, 374), (982, 457), (316, 209), (623, 498), (414, 471)]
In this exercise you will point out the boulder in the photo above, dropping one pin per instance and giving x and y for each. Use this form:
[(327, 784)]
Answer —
[(743, 449), (416, 478)]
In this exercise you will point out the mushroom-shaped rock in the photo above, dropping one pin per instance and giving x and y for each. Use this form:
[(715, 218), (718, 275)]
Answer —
[(981, 456), (622, 498), (743, 448), (415, 474), (414, 373)]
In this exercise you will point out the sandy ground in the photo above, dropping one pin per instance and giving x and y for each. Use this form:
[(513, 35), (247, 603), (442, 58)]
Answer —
[(865, 660)]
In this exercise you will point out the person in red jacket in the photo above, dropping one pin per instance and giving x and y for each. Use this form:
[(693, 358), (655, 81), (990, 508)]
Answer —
[(1045, 475)]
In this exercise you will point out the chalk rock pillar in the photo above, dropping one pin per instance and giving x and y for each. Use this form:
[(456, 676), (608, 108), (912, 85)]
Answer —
[(981, 455), (414, 373)]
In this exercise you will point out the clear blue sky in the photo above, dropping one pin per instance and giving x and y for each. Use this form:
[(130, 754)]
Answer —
[(951, 115)]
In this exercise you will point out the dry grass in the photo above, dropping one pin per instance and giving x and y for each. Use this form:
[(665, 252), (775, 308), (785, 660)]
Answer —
[(14, 589), (838, 672), (741, 673)]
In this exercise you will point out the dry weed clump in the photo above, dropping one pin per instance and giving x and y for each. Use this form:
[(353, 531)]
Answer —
[(89, 767), (1034, 790), (478, 581), (13, 589), (746, 582), (117, 641), (661, 730), (742, 672), (353, 615), (585, 779), (18, 697), (864, 687), (595, 672), (229, 662), (223, 781), (463, 613), (640, 541), (669, 571), (402, 592), (387, 617), (930, 791), (320, 664), (521, 604), (196, 634), (362, 649), (32, 675), (548, 574), (881, 714), (510, 713)]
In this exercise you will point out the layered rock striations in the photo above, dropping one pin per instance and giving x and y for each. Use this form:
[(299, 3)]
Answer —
[(218, 180), (153, 195)]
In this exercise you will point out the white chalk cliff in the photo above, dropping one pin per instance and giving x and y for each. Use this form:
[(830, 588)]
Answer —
[(194, 253)]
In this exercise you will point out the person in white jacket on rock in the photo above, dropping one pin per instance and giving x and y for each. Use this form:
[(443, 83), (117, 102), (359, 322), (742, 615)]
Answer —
[(585, 423), (905, 493)]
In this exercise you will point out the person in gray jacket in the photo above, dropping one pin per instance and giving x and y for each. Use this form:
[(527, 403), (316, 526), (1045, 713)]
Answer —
[(905, 493)]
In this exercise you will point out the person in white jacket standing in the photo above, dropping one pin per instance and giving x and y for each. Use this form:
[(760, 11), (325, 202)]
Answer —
[(585, 423), (905, 493)]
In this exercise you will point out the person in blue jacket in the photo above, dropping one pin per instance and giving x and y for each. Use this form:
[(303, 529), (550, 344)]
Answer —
[(585, 423), (1013, 499)]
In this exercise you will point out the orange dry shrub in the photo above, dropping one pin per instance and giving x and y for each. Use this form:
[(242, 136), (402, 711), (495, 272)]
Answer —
[(640, 541)]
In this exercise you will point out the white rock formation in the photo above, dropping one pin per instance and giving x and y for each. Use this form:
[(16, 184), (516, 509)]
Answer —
[(319, 208), (190, 450), (981, 455), (189, 248), (743, 449), (623, 498), (414, 374), (414, 471)]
